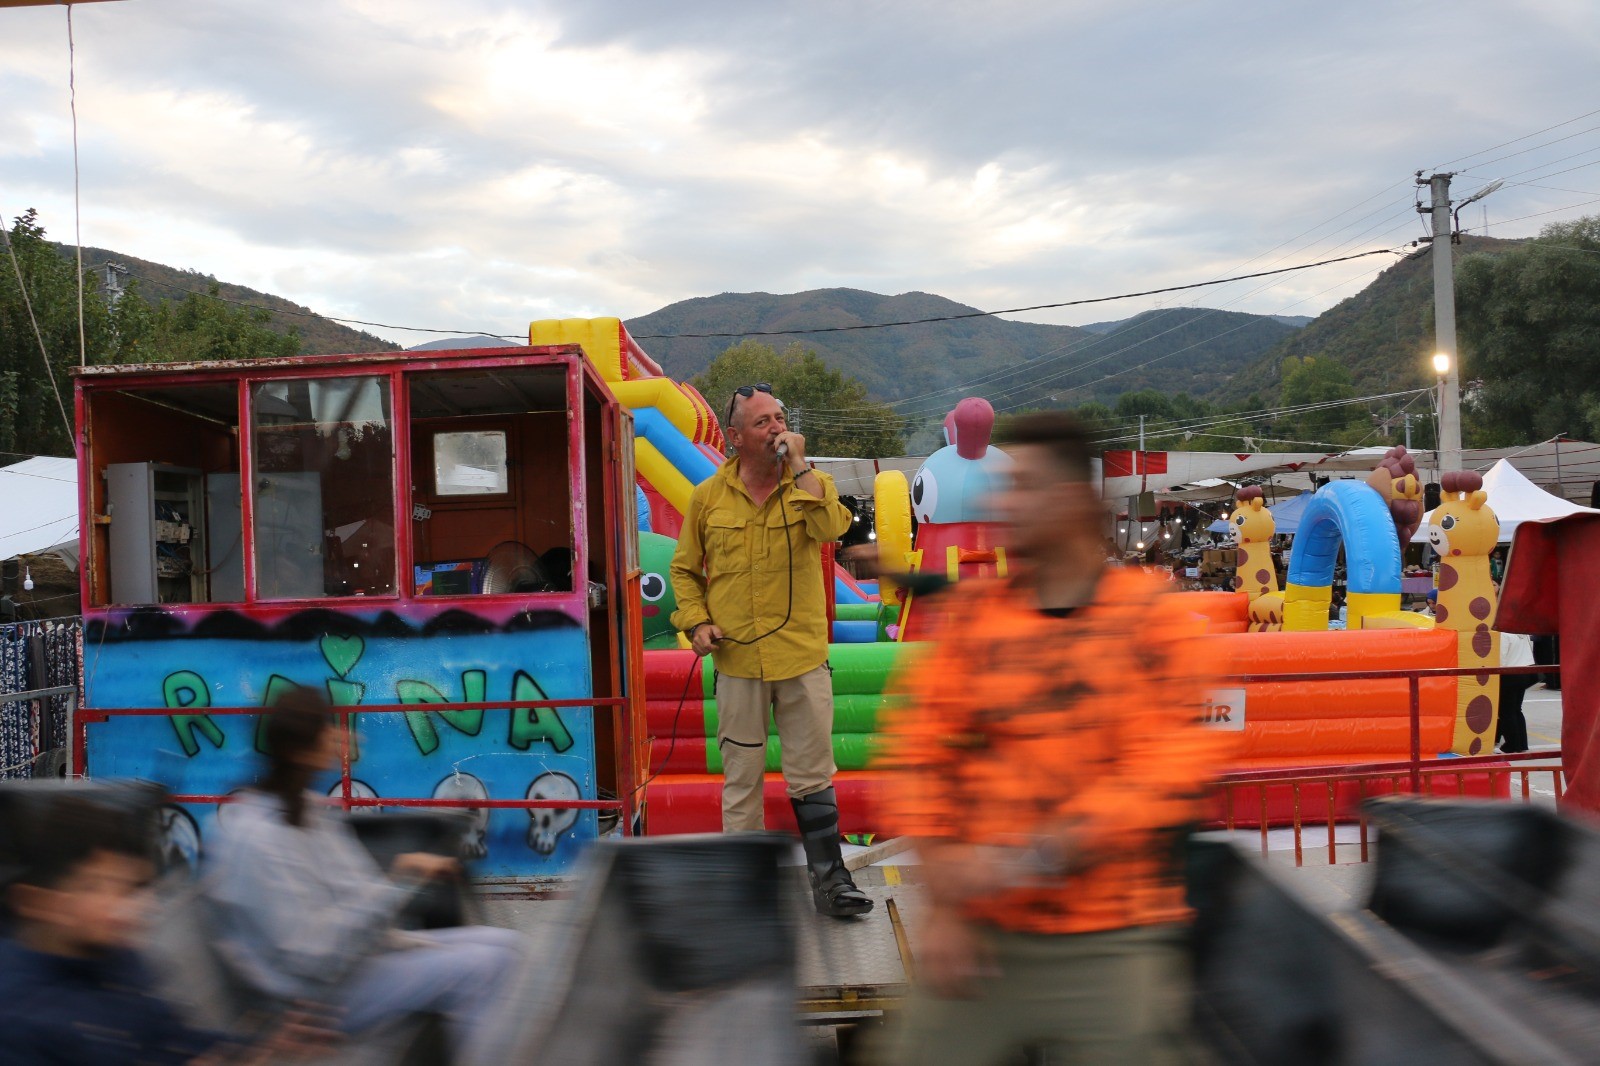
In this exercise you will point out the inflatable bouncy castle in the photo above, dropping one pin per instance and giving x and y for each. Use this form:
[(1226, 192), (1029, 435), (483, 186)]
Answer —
[(1310, 723), (677, 444), (935, 523)]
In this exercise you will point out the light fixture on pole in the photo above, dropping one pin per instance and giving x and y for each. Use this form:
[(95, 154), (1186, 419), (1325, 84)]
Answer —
[(1441, 368)]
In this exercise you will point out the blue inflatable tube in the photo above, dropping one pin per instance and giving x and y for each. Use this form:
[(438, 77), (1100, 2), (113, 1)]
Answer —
[(688, 460), (1353, 514), (843, 593), (855, 631), (642, 503)]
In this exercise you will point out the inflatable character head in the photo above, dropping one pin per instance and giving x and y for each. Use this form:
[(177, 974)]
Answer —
[(655, 589), (953, 482), (1463, 524), (1395, 478), (1254, 522)]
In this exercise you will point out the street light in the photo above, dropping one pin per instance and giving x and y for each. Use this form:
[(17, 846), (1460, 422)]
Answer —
[(1441, 367)]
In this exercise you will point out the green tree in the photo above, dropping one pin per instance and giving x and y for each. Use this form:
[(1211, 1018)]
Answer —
[(130, 331), (1313, 380), (1530, 332), (41, 312), (831, 409)]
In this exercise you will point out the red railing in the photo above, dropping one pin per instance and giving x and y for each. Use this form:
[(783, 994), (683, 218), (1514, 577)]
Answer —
[(624, 802), (1414, 775)]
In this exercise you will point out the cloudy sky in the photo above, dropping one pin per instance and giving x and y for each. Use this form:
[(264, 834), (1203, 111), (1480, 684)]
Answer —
[(476, 164)]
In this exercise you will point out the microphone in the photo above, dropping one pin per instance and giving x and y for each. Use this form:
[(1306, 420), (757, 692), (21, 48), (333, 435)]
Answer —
[(783, 449)]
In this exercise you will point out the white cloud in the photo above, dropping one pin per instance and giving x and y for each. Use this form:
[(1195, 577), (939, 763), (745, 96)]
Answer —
[(477, 164)]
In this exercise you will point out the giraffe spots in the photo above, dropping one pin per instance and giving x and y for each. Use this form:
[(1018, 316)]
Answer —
[(1482, 642), (1483, 679), (1264, 577), (1479, 607), (1447, 577), (1440, 612), (1238, 582), (1476, 746), (1480, 713)]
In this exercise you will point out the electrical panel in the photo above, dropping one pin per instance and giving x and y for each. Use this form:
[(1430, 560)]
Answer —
[(157, 534)]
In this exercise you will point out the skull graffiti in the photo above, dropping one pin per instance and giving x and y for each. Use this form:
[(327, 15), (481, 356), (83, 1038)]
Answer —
[(548, 823), (358, 790), (179, 843), (460, 786)]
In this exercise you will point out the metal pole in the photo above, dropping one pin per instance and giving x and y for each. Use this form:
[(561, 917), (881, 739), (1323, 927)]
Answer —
[(1444, 325), (1416, 733), (1408, 431)]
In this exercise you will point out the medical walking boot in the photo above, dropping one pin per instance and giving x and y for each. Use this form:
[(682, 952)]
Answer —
[(832, 889)]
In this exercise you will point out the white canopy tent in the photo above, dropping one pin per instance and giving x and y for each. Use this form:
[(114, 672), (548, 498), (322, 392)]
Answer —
[(1515, 500), (39, 508)]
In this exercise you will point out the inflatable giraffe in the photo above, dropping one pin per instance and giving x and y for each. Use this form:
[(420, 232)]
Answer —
[(1254, 573), (1463, 530)]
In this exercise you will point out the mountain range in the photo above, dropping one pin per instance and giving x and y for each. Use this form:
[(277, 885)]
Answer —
[(1382, 334), (1180, 349)]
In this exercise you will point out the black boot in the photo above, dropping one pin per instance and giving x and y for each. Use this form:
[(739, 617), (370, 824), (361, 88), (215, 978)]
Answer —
[(832, 889)]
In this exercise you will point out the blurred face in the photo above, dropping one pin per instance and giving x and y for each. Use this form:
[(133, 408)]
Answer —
[(757, 423), (101, 905), (1043, 510), (324, 754)]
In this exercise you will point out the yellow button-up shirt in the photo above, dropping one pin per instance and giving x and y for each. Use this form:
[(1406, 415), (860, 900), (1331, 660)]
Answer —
[(747, 568)]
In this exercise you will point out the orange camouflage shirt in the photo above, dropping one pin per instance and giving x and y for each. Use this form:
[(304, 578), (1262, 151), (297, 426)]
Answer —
[(1016, 720)]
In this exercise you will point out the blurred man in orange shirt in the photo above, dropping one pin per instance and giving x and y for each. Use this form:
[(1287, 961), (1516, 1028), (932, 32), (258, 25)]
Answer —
[(1051, 763)]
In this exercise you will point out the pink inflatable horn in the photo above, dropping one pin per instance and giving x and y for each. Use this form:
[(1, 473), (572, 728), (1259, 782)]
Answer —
[(970, 426)]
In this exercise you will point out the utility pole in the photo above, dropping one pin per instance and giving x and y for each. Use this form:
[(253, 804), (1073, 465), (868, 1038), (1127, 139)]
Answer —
[(1135, 515), (1445, 361), (1408, 431)]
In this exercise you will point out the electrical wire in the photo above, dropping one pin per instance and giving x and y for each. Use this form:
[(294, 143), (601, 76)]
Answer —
[(1514, 140), (1032, 365), (77, 208)]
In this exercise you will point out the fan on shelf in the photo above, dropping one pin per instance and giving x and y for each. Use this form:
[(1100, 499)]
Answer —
[(512, 567)]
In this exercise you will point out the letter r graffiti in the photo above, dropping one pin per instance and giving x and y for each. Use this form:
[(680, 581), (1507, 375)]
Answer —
[(185, 688)]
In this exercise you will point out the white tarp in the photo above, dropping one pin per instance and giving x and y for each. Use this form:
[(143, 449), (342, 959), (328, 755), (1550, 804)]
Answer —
[(38, 506), (1515, 500)]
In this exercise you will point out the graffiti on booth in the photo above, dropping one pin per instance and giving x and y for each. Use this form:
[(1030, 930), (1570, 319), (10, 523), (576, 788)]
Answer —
[(535, 753)]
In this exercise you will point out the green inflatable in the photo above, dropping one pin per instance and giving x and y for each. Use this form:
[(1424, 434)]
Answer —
[(655, 588)]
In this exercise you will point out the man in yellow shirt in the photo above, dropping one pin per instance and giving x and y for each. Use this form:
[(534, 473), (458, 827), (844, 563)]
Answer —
[(748, 578)]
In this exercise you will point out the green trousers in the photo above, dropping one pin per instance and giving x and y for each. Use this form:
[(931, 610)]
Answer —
[(1120, 996)]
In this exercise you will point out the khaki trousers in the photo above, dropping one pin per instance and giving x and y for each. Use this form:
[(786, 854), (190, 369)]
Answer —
[(802, 707), (1117, 997)]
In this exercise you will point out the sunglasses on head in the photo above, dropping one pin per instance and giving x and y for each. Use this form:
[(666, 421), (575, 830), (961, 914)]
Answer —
[(746, 391)]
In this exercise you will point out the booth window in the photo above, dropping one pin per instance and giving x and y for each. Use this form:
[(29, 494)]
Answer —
[(492, 503), (470, 464), (164, 495), (323, 483)]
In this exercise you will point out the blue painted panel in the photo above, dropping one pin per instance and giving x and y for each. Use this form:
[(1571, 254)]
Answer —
[(504, 753)]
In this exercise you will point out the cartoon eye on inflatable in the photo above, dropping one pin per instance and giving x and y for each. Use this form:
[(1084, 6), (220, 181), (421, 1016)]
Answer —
[(924, 496), (652, 587), (1448, 523), (1238, 519)]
